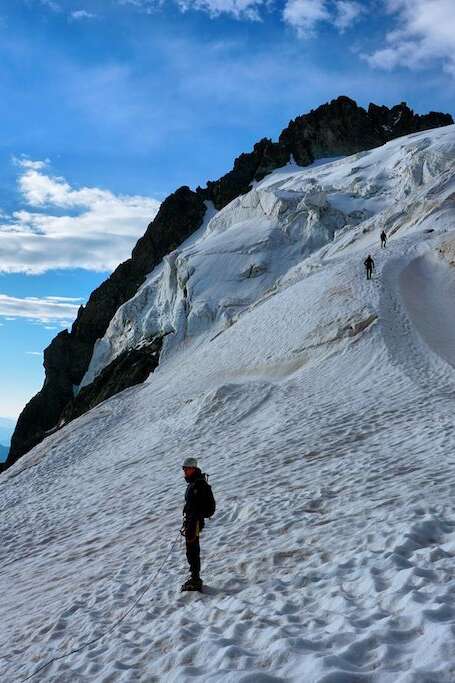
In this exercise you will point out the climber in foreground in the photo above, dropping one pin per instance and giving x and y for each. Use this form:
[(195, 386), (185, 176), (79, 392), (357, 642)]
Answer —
[(369, 266), (383, 239), (199, 504)]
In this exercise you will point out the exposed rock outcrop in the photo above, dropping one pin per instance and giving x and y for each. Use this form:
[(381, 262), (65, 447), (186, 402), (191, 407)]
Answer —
[(265, 158), (338, 128), (67, 358), (129, 368)]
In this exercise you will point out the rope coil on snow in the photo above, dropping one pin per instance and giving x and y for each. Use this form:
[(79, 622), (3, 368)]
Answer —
[(111, 628)]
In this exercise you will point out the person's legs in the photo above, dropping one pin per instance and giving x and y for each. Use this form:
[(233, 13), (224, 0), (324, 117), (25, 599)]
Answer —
[(193, 555)]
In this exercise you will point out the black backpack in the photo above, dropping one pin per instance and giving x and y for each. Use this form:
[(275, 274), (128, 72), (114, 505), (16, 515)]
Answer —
[(208, 504)]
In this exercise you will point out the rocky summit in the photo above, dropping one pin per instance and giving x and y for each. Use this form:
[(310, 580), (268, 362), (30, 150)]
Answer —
[(339, 128)]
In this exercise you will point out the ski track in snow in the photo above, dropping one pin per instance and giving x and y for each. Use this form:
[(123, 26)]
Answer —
[(324, 416)]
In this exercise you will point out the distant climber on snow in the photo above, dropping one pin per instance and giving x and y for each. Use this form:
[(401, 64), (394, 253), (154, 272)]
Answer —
[(199, 504), (383, 239), (369, 266)]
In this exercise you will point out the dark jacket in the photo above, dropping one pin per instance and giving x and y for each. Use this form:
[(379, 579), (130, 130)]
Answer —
[(369, 263), (194, 495)]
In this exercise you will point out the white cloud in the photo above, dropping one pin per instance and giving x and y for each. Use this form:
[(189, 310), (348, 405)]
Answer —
[(303, 15), (46, 310), (54, 6), (65, 299), (34, 353), (240, 9), (25, 162), (65, 227), (306, 15), (347, 12), (79, 14), (424, 32), (147, 6), (134, 3)]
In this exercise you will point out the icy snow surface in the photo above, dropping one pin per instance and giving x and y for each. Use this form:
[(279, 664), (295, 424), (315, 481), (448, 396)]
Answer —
[(324, 414)]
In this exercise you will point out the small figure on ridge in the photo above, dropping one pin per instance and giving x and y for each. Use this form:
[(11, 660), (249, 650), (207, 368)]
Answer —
[(383, 239), (369, 266)]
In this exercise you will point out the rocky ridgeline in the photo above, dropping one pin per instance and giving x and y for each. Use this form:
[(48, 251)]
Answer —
[(338, 128)]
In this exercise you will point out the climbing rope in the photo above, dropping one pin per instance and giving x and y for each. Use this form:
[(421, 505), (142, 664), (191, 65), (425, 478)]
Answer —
[(111, 628)]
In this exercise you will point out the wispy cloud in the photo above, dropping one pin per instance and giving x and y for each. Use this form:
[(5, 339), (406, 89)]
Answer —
[(240, 9), (59, 8), (305, 16), (46, 310), (23, 162), (147, 6), (423, 33), (347, 12), (67, 227), (51, 4), (81, 14)]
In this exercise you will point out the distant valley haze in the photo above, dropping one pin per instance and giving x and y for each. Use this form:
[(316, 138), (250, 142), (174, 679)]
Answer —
[(6, 430)]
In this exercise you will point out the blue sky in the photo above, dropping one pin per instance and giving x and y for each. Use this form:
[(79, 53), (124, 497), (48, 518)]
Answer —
[(106, 106)]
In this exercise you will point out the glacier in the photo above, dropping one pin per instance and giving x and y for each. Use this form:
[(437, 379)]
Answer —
[(320, 404), (242, 251)]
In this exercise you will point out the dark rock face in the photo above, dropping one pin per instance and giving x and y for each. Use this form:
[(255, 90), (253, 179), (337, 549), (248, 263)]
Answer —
[(129, 368), (400, 120), (68, 356), (342, 128), (335, 129), (338, 128), (265, 157)]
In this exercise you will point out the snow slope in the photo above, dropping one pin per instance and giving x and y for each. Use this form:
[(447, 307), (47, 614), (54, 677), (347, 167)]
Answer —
[(324, 414)]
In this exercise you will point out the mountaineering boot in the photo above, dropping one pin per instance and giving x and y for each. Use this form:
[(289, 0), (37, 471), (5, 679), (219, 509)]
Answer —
[(194, 583)]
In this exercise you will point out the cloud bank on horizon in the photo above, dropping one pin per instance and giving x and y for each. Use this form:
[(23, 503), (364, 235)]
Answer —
[(65, 227), (51, 309)]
